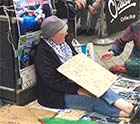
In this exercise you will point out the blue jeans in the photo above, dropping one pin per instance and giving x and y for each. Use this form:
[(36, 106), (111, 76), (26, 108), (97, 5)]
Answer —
[(135, 52), (102, 105)]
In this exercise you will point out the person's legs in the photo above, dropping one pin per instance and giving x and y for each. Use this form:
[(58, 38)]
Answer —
[(82, 15), (120, 108), (91, 104), (112, 98), (93, 19), (124, 105), (83, 22)]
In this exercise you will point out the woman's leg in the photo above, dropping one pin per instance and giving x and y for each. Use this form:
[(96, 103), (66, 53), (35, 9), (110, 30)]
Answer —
[(91, 104), (112, 98), (110, 104), (124, 105)]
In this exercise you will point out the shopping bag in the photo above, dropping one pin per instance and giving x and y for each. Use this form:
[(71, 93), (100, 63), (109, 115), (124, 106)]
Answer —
[(86, 48)]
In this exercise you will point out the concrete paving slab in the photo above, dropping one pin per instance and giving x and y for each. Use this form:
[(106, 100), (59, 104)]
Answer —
[(99, 49)]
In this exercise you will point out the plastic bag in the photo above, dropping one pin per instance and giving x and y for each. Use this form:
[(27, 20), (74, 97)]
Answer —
[(65, 121), (86, 48)]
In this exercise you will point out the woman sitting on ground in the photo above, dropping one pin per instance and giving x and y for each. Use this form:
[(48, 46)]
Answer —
[(57, 91)]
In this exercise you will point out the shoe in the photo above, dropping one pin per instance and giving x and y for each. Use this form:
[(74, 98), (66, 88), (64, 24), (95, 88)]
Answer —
[(90, 32), (81, 31), (135, 115), (116, 69)]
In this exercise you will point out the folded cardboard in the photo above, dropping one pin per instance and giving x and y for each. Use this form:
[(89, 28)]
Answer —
[(22, 115), (88, 74)]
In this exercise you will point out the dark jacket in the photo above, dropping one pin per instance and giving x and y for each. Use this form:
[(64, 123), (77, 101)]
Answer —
[(51, 85)]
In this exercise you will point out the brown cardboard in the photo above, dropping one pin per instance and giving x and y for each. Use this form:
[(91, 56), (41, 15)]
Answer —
[(22, 115), (88, 74)]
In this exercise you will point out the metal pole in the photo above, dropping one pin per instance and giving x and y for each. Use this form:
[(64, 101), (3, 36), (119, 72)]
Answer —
[(101, 38), (101, 32), (75, 21)]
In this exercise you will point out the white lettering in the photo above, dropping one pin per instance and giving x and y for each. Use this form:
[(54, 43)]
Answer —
[(116, 7), (125, 18)]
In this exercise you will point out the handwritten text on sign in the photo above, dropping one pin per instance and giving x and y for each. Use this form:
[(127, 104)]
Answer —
[(88, 74)]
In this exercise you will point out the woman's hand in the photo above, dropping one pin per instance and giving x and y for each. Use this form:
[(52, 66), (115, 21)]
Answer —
[(84, 92), (107, 55), (91, 9), (80, 4)]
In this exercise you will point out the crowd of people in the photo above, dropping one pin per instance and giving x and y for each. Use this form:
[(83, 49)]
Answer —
[(88, 17), (87, 11)]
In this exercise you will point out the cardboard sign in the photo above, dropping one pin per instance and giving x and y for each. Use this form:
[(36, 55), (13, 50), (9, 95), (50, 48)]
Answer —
[(28, 77), (88, 74)]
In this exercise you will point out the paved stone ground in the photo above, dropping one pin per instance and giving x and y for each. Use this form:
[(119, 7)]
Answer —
[(99, 49)]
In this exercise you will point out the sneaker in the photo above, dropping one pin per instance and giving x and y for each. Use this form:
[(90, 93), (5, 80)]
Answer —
[(90, 32), (81, 31)]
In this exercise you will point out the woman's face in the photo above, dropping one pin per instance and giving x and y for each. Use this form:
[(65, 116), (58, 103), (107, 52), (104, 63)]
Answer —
[(59, 38)]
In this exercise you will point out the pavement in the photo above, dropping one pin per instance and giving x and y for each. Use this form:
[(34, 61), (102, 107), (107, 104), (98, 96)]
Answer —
[(99, 49)]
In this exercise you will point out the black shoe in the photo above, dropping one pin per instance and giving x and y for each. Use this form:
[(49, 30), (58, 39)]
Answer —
[(90, 32), (81, 31)]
